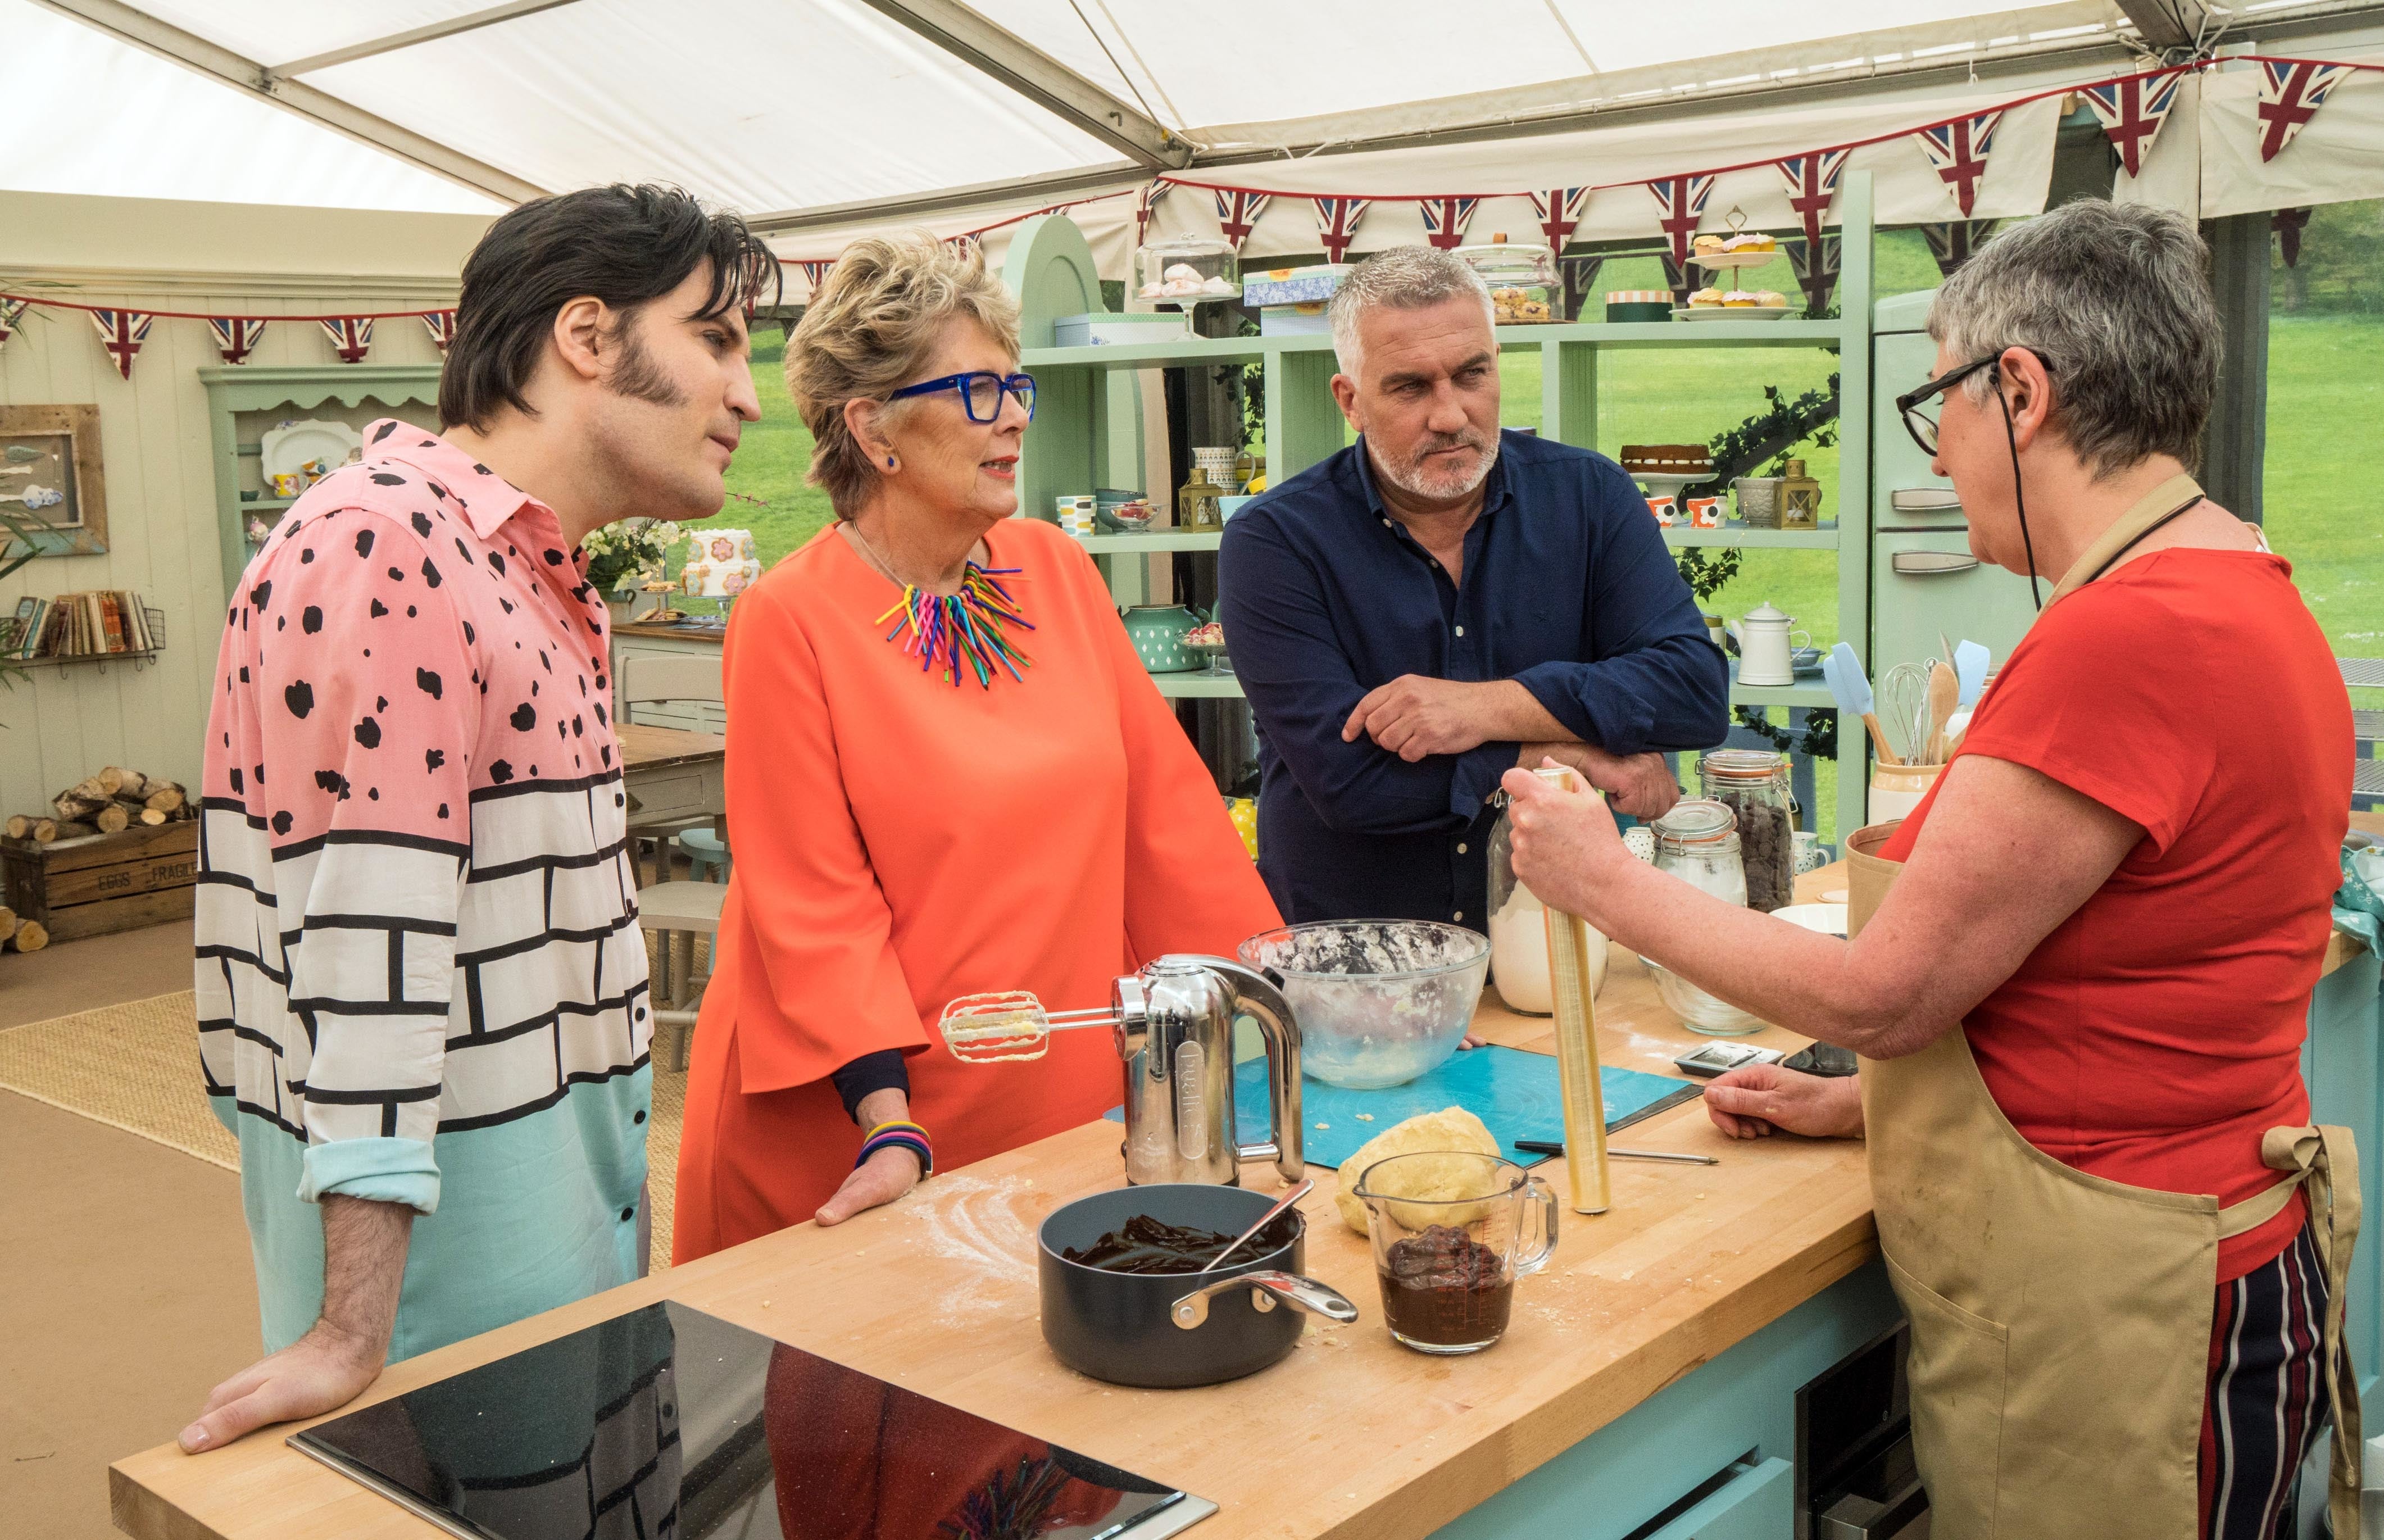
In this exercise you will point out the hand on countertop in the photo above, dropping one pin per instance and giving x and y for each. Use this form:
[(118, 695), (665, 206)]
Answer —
[(1749, 1103), (881, 1179), (1640, 784), (321, 1371)]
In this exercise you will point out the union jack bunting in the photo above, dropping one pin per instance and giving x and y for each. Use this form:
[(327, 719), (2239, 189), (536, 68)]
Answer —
[(1238, 212), (1336, 223), (1445, 220), (1816, 264), (2290, 93), (10, 311), (441, 324), (1953, 244), (121, 332), (1812, 181), (1145, 206), (1958, 151), (1580, 275), (1678, 280), (351, 337), (2288, 223), (1557, 210), (236, 336), (2132, 112), (1681, 203), (815, 270)]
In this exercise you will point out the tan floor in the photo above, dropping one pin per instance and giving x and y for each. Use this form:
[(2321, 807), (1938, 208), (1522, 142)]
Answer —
[(126, 1288)]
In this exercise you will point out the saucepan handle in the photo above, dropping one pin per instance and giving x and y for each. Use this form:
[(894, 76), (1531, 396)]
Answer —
[(1267, 1290)]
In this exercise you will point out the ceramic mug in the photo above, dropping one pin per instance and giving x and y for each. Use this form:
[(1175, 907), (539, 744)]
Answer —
[(1704, 513), (1662, 506), (287, 485)]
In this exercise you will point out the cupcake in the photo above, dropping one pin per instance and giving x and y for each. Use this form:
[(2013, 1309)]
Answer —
[(1771, 299), (1705, 299), (1740, 299), (1708, 245), (1750, 243)]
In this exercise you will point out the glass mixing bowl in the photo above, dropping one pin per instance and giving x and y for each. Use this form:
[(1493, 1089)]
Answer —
[(1379, 1001)]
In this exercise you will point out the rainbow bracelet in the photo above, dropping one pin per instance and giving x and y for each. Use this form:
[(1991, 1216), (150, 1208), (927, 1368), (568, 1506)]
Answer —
[(907, 1136)]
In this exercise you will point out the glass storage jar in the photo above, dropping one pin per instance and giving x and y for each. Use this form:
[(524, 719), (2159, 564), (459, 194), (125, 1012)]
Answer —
[(1697, 842), (1524, 289), (1519, 932), (1753, 783)]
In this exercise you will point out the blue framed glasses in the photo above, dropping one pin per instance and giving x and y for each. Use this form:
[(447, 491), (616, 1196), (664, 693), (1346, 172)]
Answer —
[(981, 392)]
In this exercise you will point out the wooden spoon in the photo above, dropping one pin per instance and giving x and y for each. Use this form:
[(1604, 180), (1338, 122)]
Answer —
[(1945, 696)]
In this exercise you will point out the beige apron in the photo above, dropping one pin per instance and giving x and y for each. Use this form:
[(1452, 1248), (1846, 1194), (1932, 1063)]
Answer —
[(2060, 1321)]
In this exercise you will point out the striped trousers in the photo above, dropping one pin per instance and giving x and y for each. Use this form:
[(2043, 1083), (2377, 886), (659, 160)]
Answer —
[(2266, 1402)]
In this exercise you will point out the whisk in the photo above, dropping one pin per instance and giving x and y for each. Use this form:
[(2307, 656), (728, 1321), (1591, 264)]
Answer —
[(1010, 1025), (1903, 709)]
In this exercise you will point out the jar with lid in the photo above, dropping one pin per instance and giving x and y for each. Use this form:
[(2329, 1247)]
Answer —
[(1753, 783), (1188, 270), (1519, 932), (1697, 842), (1524, 289)]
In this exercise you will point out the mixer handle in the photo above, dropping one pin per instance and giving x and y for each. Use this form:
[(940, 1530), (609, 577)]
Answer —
[(1259, 993)]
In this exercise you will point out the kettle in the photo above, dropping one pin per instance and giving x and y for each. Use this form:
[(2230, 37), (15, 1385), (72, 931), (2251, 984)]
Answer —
[(1174, 1030), (1765, 646)]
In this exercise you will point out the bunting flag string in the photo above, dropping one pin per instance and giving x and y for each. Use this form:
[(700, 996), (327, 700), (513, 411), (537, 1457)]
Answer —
[(1557, 210), (1238, 211), (2290, 93), (1959, 150), (1445, 220), (1147, 205), (236, 336), (1812, 182), (351, 336), (1954, 243), (2288, 223), (2132, 110), (121, 332), (815, 270), (441, 324), (1678, 280), (1816, 266), (1580, 275), (10, 310), (1679, 204), (1337, 224)]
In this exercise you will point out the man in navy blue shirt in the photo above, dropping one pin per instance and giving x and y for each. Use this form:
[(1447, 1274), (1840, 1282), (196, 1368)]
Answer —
[(1438, 602)]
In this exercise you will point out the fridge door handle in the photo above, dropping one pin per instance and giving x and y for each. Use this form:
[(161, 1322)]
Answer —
[(1932, 564)]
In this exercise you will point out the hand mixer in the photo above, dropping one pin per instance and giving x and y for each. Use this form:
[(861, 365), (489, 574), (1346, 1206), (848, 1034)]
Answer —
[(1173, 1028)]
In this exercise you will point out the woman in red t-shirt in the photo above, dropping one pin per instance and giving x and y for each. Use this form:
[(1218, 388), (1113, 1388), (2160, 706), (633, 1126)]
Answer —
[(2099, 947)]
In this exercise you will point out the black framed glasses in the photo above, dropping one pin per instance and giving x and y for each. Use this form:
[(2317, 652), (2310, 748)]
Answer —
[(981, 393), (1920, 424)]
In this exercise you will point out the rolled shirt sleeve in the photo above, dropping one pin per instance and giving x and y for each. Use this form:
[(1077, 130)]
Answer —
[(368, 737)]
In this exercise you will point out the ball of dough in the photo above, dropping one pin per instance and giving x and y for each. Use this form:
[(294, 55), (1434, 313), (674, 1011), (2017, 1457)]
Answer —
[(1452, 1129)]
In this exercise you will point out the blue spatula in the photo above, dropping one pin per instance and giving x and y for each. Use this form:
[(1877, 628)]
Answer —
[(1850, 687), (1970, 661)]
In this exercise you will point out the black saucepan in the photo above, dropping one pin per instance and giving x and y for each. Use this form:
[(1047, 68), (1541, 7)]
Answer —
[(1169, 1330)]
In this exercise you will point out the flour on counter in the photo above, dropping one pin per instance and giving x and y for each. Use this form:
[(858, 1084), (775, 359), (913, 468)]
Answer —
[(976, 1223)]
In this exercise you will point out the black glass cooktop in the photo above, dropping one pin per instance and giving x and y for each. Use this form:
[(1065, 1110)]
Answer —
[(672, 1424)]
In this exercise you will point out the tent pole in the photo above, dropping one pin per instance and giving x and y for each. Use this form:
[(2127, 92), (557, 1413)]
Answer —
[(2234, 444)]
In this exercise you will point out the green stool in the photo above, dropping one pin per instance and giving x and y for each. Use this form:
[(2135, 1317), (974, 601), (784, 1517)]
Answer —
[(706, 854)]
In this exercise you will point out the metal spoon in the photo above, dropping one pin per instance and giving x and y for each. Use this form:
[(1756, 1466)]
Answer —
[(1306, 1186)]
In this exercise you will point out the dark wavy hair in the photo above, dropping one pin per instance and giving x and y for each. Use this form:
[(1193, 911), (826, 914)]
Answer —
[(626, 245)]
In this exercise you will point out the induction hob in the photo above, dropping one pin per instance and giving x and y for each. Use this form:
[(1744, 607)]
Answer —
[(671, 1424)]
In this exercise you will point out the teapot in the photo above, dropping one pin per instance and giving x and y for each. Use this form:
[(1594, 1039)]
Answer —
[(1766, 645)]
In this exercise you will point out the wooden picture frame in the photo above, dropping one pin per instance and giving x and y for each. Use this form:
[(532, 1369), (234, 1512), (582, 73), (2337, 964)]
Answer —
[(56, 448)]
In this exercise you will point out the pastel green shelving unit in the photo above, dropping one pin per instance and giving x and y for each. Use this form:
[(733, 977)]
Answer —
[(1087, 427), (234, 389)]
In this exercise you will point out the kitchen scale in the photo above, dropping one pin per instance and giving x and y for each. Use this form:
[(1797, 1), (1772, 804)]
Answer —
[(669, 1423)]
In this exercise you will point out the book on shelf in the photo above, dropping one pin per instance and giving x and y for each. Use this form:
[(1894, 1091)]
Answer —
[(96, 622)]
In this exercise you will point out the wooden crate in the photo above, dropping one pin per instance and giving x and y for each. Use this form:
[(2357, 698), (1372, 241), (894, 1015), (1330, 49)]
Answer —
[(104, 883)]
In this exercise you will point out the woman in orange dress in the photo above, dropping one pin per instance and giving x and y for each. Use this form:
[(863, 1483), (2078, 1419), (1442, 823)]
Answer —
[(903, 835)]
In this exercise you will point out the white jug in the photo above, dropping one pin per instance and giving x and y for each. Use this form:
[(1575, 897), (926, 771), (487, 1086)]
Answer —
[(1765, 645)]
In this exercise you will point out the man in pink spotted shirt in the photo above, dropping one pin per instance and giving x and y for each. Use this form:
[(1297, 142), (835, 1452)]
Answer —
[(422, 990)]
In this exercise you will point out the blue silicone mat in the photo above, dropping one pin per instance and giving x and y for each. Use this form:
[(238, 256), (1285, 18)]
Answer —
[(1513, 1092)]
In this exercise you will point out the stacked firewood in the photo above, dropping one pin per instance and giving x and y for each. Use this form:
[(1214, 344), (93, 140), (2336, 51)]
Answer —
[(108, 803)]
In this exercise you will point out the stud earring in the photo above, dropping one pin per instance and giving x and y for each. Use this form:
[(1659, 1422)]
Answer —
[(890, 462)]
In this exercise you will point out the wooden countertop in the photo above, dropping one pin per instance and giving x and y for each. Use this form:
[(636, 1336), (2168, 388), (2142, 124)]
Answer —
[(673, 630), (651, 748), (1352, 1436)]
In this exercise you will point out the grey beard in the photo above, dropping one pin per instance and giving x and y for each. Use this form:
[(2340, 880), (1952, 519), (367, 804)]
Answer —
[(1406, 480)]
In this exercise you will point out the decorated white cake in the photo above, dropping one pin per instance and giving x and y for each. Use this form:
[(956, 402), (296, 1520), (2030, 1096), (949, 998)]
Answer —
[(720, 563)]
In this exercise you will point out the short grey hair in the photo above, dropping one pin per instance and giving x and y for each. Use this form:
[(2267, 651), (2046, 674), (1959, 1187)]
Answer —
[(1404, 277), (2118, 297)]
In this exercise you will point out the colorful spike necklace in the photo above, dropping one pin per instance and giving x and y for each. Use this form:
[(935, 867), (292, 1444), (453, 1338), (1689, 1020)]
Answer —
[(962, 634)]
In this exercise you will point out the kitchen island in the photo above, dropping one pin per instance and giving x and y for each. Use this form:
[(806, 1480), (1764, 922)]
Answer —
[(1646, 1388)]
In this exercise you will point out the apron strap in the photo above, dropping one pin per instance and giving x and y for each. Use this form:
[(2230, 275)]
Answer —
[(2326, 1160)]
